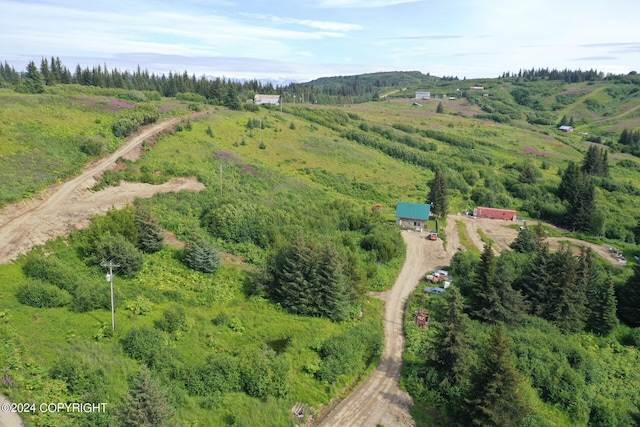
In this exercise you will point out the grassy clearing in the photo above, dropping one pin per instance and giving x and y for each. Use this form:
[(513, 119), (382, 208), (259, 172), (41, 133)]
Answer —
[(485, 239), (463, 235)]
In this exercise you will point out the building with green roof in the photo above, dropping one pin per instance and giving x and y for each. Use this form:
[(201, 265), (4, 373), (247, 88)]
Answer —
[(412, 215)]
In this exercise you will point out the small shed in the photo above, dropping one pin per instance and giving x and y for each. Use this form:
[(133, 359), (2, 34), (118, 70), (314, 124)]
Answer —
[(414, 215), (267, 99), (495, 213), (565, 128)]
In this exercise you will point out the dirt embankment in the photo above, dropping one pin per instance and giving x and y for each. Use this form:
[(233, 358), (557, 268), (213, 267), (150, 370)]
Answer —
[(503, 235), (379, 400), (64, 208)]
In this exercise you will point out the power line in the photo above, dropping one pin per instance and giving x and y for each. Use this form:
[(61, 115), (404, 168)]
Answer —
[(111, 265)]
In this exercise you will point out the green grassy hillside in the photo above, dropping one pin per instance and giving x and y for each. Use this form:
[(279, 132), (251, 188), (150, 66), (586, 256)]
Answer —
[(312, 171)]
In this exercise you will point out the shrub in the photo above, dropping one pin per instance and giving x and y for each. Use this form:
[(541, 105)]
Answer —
[(36, 293), (201, 255), (116, 221), (173, 320), (144, 344), (91, 296), (349, 352), (384, 242), (94, 146), (51, 270), (81, 379), (119, 250)]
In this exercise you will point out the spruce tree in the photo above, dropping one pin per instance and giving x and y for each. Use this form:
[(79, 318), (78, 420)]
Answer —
[(32, 81), (596, 162), (566, 301), (492, 297), (440, 108), (332, 286), (201, 255), (147, 403), (496, 398), (535, 283), (452, 355), (483, 298), (439, 194), (309, 280), (578, 191), (629, 300), (150, 238), (602, 311)]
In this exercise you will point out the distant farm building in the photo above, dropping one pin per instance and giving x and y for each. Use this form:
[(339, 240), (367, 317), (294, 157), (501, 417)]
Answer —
[(267, 99), (423, 95), (414, 215), (495, 213), (477, 88), (565, 128)]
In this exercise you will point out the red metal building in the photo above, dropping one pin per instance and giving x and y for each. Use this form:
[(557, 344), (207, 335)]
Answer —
[(495, 213)]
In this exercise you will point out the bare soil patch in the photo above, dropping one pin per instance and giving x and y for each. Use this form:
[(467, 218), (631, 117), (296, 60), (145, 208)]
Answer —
[(503, 235), (67, 207)]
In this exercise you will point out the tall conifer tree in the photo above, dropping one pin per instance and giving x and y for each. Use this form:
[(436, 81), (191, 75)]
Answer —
[(496, 398), (439, 194)]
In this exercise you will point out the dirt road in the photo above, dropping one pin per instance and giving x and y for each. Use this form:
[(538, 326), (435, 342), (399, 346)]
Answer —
[(503, 235), (379, 400), (67, 207), (8, 419)]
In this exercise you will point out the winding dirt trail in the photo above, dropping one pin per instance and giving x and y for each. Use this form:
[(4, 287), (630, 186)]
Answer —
[(64, 208), (379, 400)]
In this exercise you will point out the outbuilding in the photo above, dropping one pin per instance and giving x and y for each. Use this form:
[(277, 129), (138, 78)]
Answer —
[(267, 99), (414, 215), (495, 213)]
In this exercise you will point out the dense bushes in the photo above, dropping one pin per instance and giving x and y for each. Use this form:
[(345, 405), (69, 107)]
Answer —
[(242, 222), (36, 293), (131, 120), (256, 373), (350, 352), (144, 344), (383, 242)]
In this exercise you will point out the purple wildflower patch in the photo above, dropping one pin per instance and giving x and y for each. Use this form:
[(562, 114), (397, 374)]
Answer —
[(223, 155), (249, 169), (534, 151), (122, 104)]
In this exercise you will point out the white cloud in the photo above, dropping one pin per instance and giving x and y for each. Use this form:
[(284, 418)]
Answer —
[(321, 25), (363, 4)]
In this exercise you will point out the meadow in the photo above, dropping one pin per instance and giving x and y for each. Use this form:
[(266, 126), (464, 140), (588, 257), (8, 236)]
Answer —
[(313, 171)]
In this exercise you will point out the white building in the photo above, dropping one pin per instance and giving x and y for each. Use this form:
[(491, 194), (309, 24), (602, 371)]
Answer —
[(423, 95), (266, 99)]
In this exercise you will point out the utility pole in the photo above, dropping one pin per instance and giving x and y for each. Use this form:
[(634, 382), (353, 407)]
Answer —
[(111, 265)]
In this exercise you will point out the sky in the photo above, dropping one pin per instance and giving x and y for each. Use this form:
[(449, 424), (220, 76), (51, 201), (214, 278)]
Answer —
[(300, 40)]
